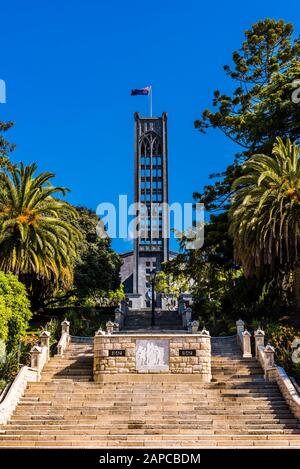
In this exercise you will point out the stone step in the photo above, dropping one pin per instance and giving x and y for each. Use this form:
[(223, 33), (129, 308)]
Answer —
[(147, 433), (199, 408), (154, 399), (165, 441), (79, 425), (121, 443), (87, 426), (203, 400)]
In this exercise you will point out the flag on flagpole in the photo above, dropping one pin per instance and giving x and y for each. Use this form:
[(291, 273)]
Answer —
[(143, 92)]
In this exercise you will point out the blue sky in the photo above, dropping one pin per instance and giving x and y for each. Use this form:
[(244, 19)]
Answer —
[(69, 67)]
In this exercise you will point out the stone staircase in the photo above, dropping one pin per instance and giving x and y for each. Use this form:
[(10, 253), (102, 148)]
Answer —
[(237, 409), (141, 320)]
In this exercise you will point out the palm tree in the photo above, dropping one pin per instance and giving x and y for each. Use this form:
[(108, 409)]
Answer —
[(265, 214), (36, 241)]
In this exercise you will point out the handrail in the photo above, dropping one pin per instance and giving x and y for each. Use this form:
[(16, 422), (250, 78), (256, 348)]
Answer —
[(39, 357), (15, 392), (288, 390)]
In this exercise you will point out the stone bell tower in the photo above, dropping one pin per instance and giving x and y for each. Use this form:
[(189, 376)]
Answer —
[(151, 246)]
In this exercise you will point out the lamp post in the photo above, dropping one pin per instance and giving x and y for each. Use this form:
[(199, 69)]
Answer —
[(152, 278)]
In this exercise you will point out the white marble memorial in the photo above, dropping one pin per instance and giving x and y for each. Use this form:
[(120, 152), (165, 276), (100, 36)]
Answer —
[(152, 355)]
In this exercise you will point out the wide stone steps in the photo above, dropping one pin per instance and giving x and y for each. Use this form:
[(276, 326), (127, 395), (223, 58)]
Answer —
[(238, 409)]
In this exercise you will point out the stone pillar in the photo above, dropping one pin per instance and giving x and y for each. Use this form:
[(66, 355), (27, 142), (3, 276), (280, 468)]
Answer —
[(109, 327), (188, 316), (119, 317), (240, 327), (259, 336), (205, 341), (195, 327), (269, 356), (124, 307), (269, 363), (45, 342), (246, 338), (36, 354), (65, 327)]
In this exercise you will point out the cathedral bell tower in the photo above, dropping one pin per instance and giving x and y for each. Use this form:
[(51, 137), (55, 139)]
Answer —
[(151, 246)]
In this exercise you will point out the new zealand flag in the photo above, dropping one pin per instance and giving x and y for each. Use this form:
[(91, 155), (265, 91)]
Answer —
[(142, 92)]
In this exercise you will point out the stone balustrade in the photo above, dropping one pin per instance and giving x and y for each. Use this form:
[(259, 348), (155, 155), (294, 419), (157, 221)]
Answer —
[(15, 392), (40, 354), (146, 353), (64, 339), (287, 390), (272, 372)]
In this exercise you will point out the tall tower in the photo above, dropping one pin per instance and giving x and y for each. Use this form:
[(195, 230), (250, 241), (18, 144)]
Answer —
[(151, 246)]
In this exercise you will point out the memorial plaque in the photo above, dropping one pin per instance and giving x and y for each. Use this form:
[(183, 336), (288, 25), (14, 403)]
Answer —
[(116, 353), (187, 353), (152, 355)]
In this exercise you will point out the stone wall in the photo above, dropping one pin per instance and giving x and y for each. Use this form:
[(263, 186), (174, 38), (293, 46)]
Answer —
[(287, 390), (152, 354)]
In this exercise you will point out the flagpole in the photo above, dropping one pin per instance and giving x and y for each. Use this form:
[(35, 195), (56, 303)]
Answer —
[(150, 97)]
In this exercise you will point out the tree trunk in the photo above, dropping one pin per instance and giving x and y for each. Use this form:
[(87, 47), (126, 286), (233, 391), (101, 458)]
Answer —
[(297, 285)]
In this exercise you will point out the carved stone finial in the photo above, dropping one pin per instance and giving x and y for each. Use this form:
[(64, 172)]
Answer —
[(109, 327), (204, 331), (194, 326), (259, 332), (36, 349), (269, 349)]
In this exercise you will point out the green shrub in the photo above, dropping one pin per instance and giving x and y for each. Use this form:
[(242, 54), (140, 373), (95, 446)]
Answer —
[(281, 338), (9, 369), (2, 384), (14, 310)]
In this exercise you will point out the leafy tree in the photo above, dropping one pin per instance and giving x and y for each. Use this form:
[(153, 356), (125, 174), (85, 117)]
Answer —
[(109, 297), (265, 214), (258, 110), (14, 310), (35, 242), (5, 146), (260, 107), (171, 285), (98, 267)]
